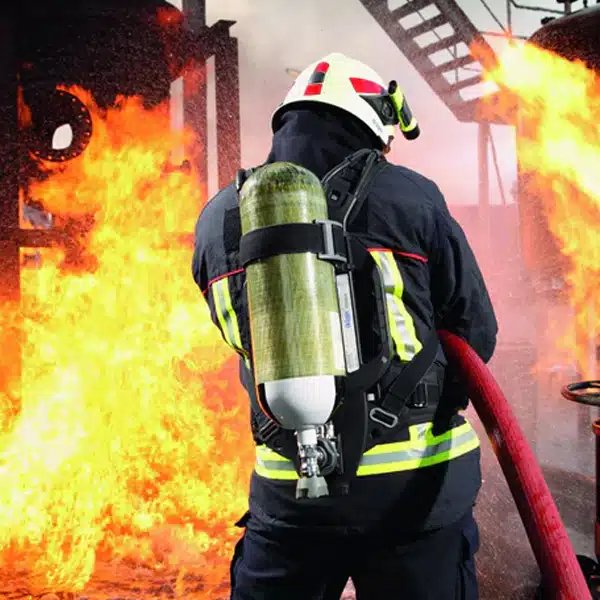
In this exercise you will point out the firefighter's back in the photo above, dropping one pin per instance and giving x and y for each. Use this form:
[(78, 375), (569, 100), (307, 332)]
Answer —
[(411, 501)]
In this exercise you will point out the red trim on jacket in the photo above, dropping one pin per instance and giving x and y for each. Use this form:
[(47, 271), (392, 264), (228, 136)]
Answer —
[(215, 279), (418, 257)]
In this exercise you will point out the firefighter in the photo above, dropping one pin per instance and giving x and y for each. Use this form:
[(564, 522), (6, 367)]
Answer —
[(405, 528)]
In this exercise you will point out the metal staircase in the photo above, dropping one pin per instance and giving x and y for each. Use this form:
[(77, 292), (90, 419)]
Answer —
[(446, 64)]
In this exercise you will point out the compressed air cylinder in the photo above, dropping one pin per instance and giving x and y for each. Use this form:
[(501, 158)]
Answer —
[(295, 324)]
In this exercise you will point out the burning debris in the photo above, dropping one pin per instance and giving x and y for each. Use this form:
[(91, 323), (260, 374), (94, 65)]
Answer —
[(128, 458)]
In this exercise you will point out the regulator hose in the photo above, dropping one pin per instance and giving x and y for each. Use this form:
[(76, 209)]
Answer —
[(547, 535)]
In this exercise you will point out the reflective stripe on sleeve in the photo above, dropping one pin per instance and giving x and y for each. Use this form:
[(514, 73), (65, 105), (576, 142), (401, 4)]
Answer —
[(227, 317), (401, 323)]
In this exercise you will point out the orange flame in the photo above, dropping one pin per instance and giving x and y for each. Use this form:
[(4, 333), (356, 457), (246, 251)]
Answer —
[(559, 150), (23, 111), (130, 447)]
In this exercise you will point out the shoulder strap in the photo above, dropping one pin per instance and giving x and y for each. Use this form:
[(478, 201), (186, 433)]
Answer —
[(347, 185)]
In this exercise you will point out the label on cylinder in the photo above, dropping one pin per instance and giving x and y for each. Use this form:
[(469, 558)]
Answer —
[(347, 321), (338, 343)]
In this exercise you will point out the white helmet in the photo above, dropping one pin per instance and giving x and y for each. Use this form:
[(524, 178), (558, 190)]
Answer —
[(356, 88)]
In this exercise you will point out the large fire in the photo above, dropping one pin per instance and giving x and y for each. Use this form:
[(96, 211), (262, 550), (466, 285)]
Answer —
[(560, 150), (130, 448)]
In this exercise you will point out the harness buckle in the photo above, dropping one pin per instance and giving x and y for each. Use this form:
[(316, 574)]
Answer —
[(383, 417), (420, 397), (267, 431), (332, 252)]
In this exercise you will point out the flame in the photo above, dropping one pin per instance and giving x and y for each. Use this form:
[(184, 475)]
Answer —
[(559, 101), (130, 446), (23, 111), (169, 17)]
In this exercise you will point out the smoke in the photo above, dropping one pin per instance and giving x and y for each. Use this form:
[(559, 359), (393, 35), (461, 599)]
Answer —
[(275, 36)]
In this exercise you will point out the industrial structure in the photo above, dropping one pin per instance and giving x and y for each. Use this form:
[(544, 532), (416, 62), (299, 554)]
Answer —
[(437, 36), (34, 61)]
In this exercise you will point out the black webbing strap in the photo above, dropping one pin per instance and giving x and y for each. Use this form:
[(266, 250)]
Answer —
[(400, 383), (347, 185), (408, 395), (264, 430), (325, 239)]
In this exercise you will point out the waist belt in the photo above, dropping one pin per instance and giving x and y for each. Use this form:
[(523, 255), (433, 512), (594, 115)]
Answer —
[(422, 449)]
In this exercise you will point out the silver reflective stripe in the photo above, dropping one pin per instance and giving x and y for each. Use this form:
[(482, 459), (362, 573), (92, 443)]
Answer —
[(227, 317), (421, 429), (418, 453), (276, 465), (402, 329)]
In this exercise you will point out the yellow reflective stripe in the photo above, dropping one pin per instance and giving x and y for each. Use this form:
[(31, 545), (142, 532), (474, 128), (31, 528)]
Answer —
[(421, 436), (401, 323), (276, 474), (404, 321), (398, 341), (273, 466), (267, 454), (227, 317), (423, 449)]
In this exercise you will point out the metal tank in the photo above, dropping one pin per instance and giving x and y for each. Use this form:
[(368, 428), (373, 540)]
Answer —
[(297, 344)]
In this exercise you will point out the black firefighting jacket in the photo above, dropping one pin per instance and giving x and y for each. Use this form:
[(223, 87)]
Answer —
[(404, 221)]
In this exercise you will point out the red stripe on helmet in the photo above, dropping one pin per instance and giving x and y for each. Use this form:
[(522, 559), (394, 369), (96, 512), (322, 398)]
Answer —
[(315, 82), (364, 86), (313, 89)]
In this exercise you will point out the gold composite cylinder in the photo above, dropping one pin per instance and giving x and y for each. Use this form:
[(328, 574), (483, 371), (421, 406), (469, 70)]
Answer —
[(294, 315)]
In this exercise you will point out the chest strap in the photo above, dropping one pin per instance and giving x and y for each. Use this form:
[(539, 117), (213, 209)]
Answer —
[(324, 238)]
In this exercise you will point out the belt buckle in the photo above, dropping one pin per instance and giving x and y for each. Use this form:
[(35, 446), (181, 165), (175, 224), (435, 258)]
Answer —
[(383, 417), (330, 251)]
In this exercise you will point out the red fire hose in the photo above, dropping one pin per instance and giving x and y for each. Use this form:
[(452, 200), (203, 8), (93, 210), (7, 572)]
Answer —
[(545, 530)]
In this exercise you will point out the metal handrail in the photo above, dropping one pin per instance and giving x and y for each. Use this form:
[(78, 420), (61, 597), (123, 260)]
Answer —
[(493, 14), (535, 8), (503, 35), (514, 4), (506, 30)]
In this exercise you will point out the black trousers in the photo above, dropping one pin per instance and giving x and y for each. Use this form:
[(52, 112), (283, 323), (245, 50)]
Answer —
[(299, 564)]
